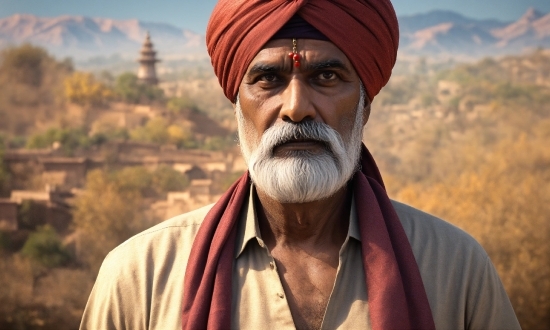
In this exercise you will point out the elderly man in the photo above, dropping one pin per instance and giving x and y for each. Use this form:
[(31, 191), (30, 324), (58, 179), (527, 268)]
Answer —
[(308, 238)]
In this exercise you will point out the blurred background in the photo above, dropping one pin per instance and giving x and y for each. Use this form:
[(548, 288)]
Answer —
[(111, 120)]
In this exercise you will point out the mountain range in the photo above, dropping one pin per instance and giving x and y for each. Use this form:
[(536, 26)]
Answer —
[(84, 37), (444, 33), (441, 34)]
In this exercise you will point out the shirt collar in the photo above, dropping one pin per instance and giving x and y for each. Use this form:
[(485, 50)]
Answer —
[(248, 226)]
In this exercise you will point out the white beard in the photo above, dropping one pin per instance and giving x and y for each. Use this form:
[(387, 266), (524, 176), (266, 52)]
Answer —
[(301, 177)]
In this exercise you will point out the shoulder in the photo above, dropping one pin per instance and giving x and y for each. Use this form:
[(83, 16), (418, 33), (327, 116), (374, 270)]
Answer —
[(166, 243), (461, 283), (165, 234), (443, 252), (137, 279), (430, 233)]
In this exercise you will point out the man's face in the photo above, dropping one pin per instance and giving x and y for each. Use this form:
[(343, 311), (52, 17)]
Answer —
[(301, 127)]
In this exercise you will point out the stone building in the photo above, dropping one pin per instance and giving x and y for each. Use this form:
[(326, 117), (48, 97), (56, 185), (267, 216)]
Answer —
[(38, 208), (147, 73)]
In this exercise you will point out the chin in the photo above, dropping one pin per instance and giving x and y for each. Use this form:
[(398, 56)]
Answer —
[(300, 178)]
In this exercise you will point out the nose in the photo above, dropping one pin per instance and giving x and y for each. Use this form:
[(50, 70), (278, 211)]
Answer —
[(297, 104)]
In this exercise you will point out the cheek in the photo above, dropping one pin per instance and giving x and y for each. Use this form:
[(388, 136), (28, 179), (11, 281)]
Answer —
[(347, 125), (258, 112), (341, 114), (249, 106)]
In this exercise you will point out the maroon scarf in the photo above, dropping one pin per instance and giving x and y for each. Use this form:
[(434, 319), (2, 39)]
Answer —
[(396, 295)]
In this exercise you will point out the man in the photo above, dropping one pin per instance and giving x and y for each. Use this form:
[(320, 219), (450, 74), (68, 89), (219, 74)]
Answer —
[(308, 238)]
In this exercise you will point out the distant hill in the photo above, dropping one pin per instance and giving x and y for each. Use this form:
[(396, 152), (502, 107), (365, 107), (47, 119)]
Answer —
[(441, 34), (444, 33), (84, 37)]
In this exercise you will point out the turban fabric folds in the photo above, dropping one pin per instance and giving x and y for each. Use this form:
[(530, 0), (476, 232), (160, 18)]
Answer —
[(365, 30)]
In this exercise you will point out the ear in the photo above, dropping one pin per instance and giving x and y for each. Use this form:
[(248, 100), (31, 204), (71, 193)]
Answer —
[(366, 113)]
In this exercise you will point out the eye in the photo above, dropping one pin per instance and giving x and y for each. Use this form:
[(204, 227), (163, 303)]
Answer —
[(327, 78), (327, 75), (268, 77), (268, 80)]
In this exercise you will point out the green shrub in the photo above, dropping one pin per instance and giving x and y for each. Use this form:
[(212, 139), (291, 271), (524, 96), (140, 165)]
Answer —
[(129, 89), (5, 241), (45, 247), (179, 105), (25, 64), (216, 143), (69, 139), (24, 214), (167, 179), (4, 173)]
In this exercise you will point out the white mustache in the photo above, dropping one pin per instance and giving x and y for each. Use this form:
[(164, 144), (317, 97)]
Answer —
[(308, 130)]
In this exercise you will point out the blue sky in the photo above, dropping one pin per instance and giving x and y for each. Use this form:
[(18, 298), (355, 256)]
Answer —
[(193, 14)]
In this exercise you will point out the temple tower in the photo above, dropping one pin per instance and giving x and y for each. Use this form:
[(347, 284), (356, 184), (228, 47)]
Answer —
[(147, 73)]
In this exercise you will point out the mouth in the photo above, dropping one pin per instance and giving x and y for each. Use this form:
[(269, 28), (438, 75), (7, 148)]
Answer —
[(300, 145)]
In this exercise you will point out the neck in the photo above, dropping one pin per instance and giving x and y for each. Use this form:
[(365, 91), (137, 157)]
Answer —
[(317, 223)]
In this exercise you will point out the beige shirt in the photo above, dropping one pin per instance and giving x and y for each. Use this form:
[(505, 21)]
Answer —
[(140, 283)]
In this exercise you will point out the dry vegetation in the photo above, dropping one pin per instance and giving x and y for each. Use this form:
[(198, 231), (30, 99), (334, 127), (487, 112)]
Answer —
[(487, 173), (477, 158), (30, 88)]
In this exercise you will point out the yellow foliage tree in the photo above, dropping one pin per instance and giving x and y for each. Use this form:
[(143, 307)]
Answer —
[(106, 213), (154, 131), (504, 202), (83, 89), (178, 135)]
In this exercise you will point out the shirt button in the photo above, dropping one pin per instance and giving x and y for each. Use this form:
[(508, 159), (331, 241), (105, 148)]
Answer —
[(272, 265), (280, 295)]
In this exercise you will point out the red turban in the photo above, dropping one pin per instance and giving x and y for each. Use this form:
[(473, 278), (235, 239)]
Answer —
[(365, 30)]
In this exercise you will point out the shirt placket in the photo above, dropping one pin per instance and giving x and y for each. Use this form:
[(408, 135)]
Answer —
[(277, 293)]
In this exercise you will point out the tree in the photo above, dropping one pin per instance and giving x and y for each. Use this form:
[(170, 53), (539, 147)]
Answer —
[(155, 131), (129, 89), (181, 137), (166, 179), (179, 105), (25, 64), (503, 202), (69, 139), (4, 174), (108, 212), (45, 248), (31, 87), (82, 88)]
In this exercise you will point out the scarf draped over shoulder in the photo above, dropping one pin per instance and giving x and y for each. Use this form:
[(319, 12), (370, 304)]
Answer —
[(396, 295)]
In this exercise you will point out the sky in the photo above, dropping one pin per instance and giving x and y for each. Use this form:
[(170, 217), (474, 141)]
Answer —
[(193, 14)]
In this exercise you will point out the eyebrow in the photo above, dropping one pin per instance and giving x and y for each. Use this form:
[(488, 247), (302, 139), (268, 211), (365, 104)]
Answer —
[(328, 64), (269, 68), (263, 68)]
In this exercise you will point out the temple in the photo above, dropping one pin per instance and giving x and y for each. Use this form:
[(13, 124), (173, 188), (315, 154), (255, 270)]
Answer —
[(147, 73)]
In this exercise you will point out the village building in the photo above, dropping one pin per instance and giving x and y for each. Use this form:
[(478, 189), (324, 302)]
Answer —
[(45, 182), (8, 215)]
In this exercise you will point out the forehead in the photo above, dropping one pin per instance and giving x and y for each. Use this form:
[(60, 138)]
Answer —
[(310, 49)]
